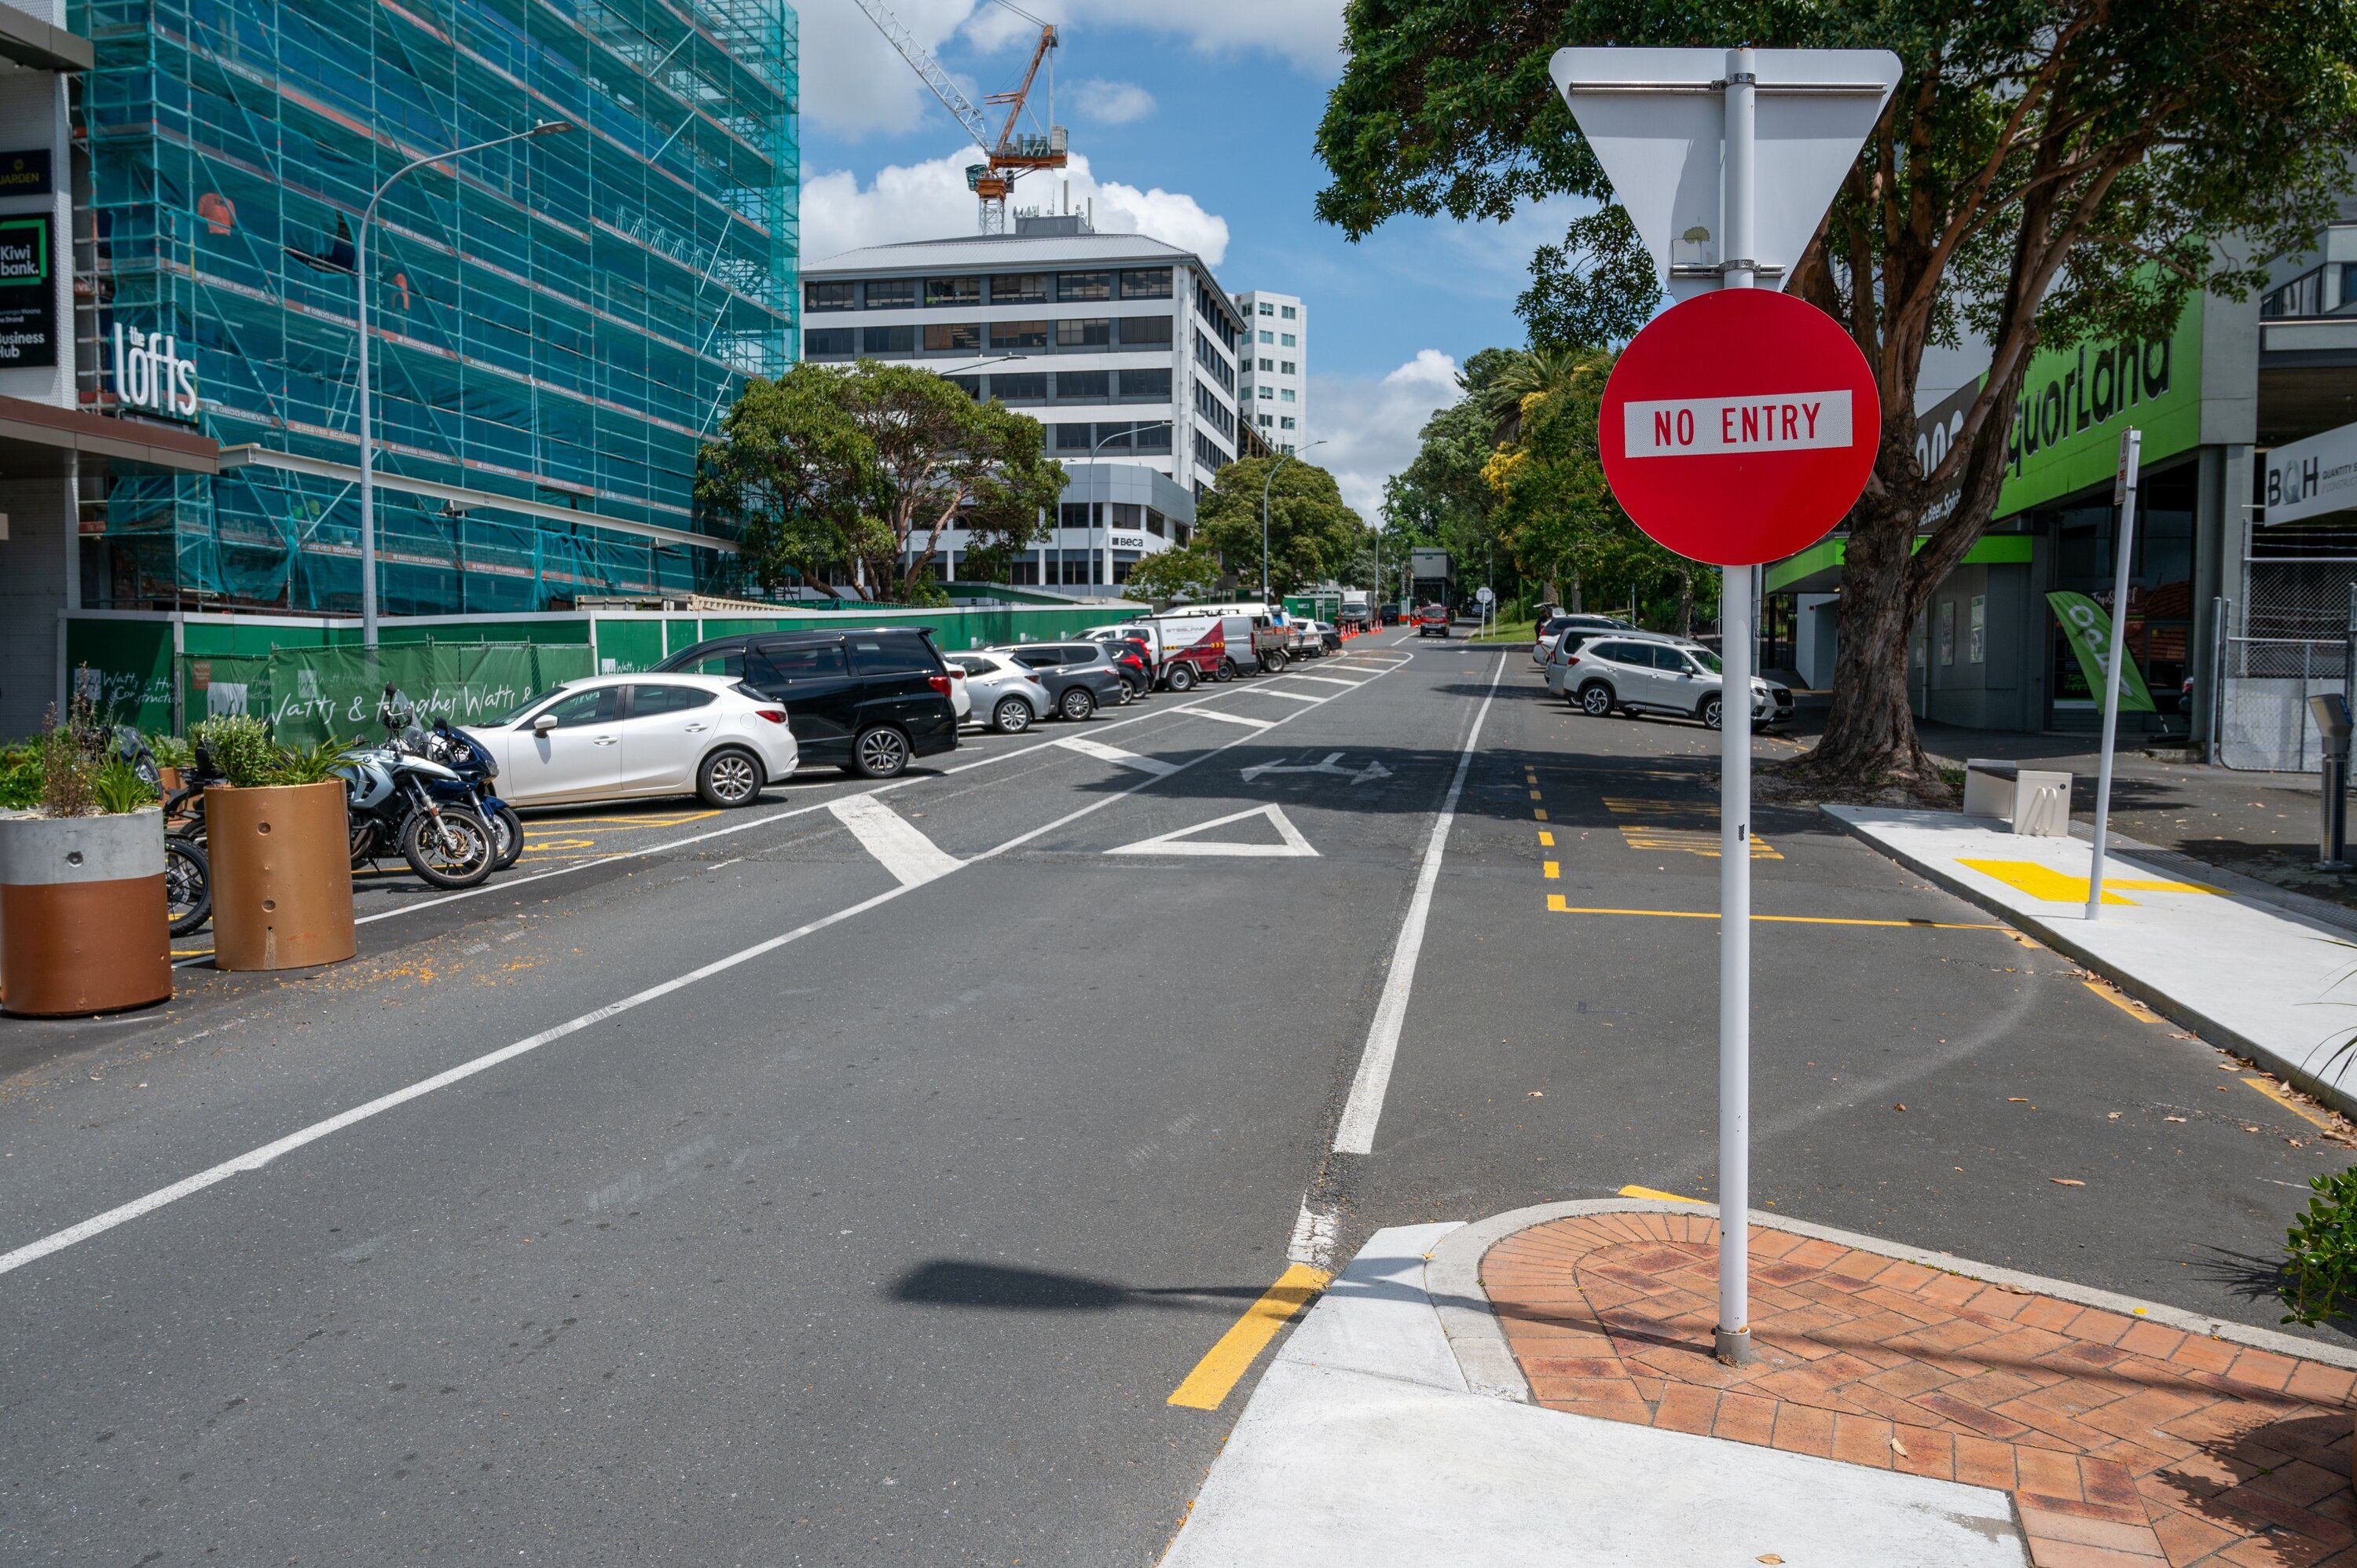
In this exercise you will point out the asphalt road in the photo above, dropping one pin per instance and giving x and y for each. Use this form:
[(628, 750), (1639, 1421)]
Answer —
[(854, 1179)]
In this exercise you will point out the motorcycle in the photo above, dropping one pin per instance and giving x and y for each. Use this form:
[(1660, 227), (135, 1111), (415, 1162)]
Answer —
[(188, 871), (458, 751), (402, 798)]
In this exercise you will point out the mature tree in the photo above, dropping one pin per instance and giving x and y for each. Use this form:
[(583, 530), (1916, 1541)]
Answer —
[(866, 465), (2049, 171), (1440, 499), (1191, 569), (1312, 535)]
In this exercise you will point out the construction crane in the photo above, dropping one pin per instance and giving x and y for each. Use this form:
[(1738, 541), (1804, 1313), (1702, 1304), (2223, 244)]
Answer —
[(1009, 155)]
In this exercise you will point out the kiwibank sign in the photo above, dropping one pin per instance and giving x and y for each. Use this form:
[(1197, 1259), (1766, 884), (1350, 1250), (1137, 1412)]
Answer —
[(2075, 401)]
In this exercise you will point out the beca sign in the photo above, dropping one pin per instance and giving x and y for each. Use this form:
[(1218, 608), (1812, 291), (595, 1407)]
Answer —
[(1738, 426)]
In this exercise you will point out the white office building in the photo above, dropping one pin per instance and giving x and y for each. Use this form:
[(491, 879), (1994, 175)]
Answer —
[(1124, 347), (1273, 377)]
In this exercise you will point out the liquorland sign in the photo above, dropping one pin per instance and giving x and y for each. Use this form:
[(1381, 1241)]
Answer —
[(2075, 401)]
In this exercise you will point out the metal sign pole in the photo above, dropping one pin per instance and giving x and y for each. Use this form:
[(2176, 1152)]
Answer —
[(2123, 494), (1733, 1339)]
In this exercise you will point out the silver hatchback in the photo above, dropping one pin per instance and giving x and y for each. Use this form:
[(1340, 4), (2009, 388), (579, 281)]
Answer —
[(1006, 697)]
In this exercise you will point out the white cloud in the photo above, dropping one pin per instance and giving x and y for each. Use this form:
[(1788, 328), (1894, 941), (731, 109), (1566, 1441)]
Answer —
[(1110, 102), (1370, 424), (1307, 33), (930, 202), (854, 82)]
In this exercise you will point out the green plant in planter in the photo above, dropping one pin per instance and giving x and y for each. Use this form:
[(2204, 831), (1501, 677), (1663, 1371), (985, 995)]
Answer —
[(240, 747), (316, 765), (2319, 1276), (68, 771), (171, 751), (20, 776), (119, 789)]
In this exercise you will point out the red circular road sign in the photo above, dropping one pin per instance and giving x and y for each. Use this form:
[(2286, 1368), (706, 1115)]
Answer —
[(1738, 426)]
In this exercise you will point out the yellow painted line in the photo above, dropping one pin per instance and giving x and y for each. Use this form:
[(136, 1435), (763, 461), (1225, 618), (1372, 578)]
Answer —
[(1554, 871), (2124, 1002), (1228, 1361), (1555, 904), (1539, 812), (192, 953), (1547, 839), (1669, 1196), (2274, 1091), (1536, 796), (2049, 885)]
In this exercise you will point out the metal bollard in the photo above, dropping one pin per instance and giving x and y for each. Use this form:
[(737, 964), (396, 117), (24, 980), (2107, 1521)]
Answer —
[(2332, 723)]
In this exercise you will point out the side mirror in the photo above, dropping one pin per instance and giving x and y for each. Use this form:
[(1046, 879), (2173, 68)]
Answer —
[(542, 724)]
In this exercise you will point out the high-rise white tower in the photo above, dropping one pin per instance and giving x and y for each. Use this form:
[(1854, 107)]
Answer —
[(1273, 369)]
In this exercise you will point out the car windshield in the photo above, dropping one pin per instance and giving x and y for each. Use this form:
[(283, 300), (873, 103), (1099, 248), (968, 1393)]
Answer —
[(525, 707), (1703, 656)]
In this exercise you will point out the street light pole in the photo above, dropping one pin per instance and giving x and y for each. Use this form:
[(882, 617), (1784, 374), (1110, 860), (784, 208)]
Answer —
[(1282, 461), (368, 435)]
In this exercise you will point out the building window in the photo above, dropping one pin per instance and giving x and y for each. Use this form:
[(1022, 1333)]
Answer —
[(830, 296), (1267, 309), (1266, 393), (1024, 572), (1019, 389), (828, 342), (1076, 514), (1084, 285), (1084, 332), (1091, 386), (954, 291), (1154, 437), (1268, 337), (970, 385), (1285, 394), (952, 337), (1290, 367), (1268, 364), (888, 339), (2304, 295), (1211, 457), (1019, 334), (1287, 340), (1289, 312), (1284, 423), (1018, 288), (1267, 419), (1156, 524), (1072, 438), (1155, 383), (1212, 360), (1154, 283), (1287, 446), (885, 294), (1113, 437), (1152, 332)]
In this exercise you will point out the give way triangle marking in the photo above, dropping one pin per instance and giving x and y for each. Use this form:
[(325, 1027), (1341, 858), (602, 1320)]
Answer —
[(1182, 841)]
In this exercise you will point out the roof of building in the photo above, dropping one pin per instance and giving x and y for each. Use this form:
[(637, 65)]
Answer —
[(1005, 251)]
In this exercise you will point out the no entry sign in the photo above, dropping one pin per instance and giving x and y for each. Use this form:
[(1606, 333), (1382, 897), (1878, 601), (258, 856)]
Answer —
[(1738, 426)]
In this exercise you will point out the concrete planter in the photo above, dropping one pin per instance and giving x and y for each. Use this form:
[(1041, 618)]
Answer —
[(282, 876), (82, 921)]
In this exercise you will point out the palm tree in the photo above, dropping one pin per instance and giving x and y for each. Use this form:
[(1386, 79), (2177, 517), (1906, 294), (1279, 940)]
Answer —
[(1535, 372)]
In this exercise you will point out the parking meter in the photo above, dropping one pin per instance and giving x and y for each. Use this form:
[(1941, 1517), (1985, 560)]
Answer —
[(2333, 725)]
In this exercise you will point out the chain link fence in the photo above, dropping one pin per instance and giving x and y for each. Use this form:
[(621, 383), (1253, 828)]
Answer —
[(2294, 644)]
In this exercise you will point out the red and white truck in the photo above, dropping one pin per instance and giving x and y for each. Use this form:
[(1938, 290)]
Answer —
[(1184, 649)]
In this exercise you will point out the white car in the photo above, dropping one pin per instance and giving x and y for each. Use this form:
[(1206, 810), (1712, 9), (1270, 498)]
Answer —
[(628, 737)]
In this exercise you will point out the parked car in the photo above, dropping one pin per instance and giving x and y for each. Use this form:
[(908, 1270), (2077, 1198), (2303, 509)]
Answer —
[(1555, 625), (1432, 620), (1007, 696), (1078, 676), (1302, 641), (1329, 636), (628, 737), (1636, 673), (867, 700), (1568, 642), (1129, 661)]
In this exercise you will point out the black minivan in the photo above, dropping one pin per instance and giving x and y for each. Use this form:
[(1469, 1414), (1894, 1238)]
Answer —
[(867, 700)]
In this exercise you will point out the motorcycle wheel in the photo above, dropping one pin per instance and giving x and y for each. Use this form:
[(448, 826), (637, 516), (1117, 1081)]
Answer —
[(454, 850), (188, 884), (506, 836)]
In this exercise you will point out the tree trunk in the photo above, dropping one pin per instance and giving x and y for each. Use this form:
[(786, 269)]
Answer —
[(1686, 601), (1869, 739), (1572, 603)]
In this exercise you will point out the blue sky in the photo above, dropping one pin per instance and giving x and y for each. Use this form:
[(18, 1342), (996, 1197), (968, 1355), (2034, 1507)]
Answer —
[(1200, 131)]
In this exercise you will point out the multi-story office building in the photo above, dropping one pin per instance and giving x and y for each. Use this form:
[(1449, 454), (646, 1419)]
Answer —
[(557, 323), (1274, 377), (1125, 348)]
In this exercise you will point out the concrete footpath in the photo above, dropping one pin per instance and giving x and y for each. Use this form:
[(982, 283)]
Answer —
[(1538, 1387), (2268, 974)]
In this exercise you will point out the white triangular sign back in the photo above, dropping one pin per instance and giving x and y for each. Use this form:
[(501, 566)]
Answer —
[(1182, 841), (1657, 119)]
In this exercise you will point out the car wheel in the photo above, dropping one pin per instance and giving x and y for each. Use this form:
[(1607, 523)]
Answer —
[(1708, 713), (728, 778), (1078, 703), (451, 850), (1180, 676), (1227, 669), (881, 752), (1273, 661), (1596, 700), (1012, 717)]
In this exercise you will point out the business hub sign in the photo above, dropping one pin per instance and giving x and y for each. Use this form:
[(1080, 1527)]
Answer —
[(150, 374)]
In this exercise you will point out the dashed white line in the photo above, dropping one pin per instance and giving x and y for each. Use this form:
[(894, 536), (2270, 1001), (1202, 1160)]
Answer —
[(1104, 753), (1232, 719), (1326, 680), (1295, 696)]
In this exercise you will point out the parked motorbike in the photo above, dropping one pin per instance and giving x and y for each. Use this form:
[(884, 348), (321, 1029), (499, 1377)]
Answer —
[(188, 871), (455, 750), (402, 798)]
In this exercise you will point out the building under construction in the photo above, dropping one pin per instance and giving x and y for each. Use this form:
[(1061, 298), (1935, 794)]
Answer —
[(558, 322)]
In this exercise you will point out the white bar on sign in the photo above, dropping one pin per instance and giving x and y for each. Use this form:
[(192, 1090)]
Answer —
[(1701, 426)]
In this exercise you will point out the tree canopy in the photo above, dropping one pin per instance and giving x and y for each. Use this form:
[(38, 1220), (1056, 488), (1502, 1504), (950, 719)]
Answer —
[(865, 466), (2048, 171), (1313, 536)]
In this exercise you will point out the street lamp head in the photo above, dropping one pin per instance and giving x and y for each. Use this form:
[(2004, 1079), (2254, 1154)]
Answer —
[(551, 128)]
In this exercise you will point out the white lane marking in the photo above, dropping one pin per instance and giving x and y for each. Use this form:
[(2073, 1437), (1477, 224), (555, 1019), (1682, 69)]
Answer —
[(1313, 1237), (1233, 719), (1295, 696), (893, 840), (1104, 753), (257, 1159), (1355, 1133), (1326, 680), (1182, 841)]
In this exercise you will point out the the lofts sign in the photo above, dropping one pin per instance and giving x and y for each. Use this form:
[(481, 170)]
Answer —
[(150, 374)]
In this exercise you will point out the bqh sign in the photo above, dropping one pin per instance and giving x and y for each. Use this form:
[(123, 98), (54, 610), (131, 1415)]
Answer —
[(151, 375)]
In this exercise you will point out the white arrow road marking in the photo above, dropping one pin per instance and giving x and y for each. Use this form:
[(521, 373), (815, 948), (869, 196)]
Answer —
[(1329, 681), (1232, 719), (1332, 764), (1182, 841), (1104, 753), (893, 840)]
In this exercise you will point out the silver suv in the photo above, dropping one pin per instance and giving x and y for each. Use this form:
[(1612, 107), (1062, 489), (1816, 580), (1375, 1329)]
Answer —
[(1634, 672)]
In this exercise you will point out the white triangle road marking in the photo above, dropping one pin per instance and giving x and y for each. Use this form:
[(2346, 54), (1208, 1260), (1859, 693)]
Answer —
[(1231, 719), (1104, 753), (893, 840), (1182, 841)]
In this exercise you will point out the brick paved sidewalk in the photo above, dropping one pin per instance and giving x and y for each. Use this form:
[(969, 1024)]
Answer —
[(2125, 1443)]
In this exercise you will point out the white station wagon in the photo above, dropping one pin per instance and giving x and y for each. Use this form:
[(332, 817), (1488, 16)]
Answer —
[(630, 737)]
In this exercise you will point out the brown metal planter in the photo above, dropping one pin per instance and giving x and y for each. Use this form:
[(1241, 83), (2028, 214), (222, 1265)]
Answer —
[(83, 927), (282, 876)]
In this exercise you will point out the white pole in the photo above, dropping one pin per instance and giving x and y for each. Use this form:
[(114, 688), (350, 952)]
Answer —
[(368, 432), (1733, 1340), (2123, 494)]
